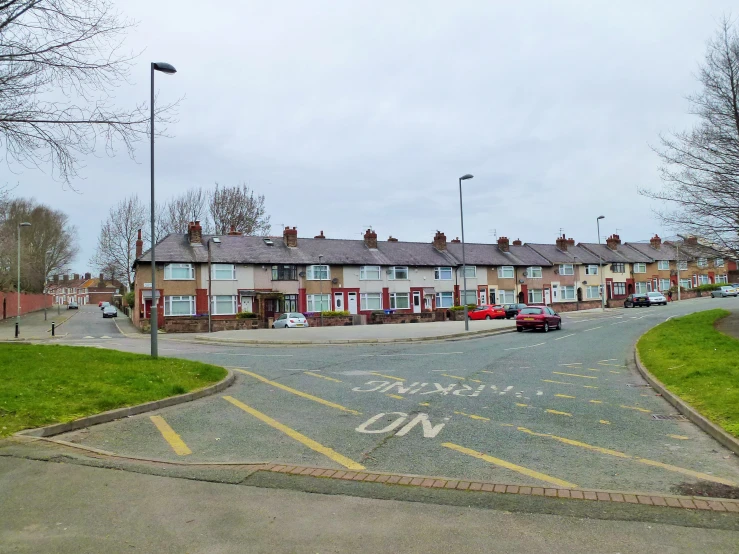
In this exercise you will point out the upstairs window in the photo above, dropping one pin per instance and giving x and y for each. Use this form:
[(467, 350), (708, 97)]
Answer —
[(224, 272), (591, 270), (533, 272), (718, 262), (398, 273), (505, 272), (663, 265), (470, 271), (179, 272), (682, 265), (566, 269), (702, 262), (640, 268), (284, 273), (316, 273), (618, 268), (369, 273), (443, 273)]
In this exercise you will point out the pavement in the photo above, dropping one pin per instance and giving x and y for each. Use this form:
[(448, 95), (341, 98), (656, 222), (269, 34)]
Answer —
[(33, 326)]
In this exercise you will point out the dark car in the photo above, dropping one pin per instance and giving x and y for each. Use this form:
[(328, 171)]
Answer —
[(634, 300), (538, 317), (511, 310)]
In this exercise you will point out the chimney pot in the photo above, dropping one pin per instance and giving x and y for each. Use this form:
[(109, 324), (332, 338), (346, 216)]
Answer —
[(88, 276), (56, 278), (233, 232), (139, 246), (370, 239), (321, 236), (456, 240), (517, 242), (195, 233), (613, 241), (392, 239), (503, 244), (562, 243), (290, 237), (440, 241)]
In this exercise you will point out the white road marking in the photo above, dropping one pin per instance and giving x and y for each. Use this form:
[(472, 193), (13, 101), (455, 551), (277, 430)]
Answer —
[(560, 338), (592, 329), (429, 354), (259, 355), (529, 346)]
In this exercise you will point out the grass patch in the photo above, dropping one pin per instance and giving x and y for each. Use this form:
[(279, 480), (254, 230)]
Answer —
[(41, 385), (698, 363)]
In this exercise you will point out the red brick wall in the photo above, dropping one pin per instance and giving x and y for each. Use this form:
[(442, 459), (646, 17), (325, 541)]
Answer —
[(29, 303)]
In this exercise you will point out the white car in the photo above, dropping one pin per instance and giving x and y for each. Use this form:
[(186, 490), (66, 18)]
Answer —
[(657, 298), (290, 320), (724, 291)]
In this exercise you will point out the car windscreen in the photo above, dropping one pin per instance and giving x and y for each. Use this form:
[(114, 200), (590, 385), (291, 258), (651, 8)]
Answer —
[(297, 315), (531, 311), (655, 294)]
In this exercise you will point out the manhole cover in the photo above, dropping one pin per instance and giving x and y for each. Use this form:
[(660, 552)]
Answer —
[(678, 417), (636, 386)]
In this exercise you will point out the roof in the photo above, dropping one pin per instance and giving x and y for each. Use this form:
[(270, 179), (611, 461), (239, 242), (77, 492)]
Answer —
[(622, 254), (665, 252), (557, 256), (697, 250), (490, 254)]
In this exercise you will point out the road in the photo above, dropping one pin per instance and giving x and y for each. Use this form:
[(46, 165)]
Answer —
[(565, 408)]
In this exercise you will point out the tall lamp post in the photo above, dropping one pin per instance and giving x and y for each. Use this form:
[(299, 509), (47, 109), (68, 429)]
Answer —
[(602, 286), (18, 282), (46, 254), (169, 70), (464, 264), (677, 247), (320, 285)]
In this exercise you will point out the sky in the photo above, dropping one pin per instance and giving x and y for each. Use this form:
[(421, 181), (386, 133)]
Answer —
[(347, 115)]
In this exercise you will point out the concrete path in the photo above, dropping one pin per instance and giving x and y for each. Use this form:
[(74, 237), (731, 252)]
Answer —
[(33, 326)]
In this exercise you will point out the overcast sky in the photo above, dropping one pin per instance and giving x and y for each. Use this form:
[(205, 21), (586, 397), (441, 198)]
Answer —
[(351, 114)]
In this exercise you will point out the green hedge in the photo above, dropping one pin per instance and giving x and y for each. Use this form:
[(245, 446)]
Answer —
[(714, 286), (460, 308), (246, 315), (334, 313)]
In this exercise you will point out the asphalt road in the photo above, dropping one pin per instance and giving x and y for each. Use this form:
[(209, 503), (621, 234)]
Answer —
[(562, 408)]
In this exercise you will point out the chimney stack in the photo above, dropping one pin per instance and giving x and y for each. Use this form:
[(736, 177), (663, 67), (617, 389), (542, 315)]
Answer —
[(392, 239), (65, 278), (370, 239), (440, 241), (139, 246), (613, 241), (195, 233), (656, 242), (290, 236), (88, 276), (562, 243), (517, 242), (76, 276), (456, 241), (56, 278), (691, 240), (233, 232), (321, 236), (570, 242), (503, 244)]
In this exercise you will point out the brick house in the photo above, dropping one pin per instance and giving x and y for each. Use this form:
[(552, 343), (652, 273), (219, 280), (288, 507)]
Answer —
[(622, 266), (67, 289), (702, 264)]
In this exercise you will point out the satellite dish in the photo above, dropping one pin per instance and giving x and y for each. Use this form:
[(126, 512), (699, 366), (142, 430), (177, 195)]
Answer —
[(335, 280)]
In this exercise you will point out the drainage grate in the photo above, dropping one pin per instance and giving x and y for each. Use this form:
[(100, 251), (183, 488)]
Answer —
[(677, 417), (637, 386)]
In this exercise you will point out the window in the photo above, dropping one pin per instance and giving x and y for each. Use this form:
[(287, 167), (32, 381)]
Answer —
[(718, 262), (316, 273), (591, 270), (686, 283), (443, 273), (179, 305), (180, 272), (370, 301), (640, 268), (444, 300), (471, 271), (702, 262), (567, 293), (618, 268), (663, 264), (682, 265), (369, 273), (722, 279), (664, 284), (640, 288), (619, 289), (398, 273), (704, 280), (566, 269), (507, 296), (318, 302), (505, 272), (223, 272), (290, 303), (468, 297), (536, 296), (533, 272), (223, 305), (592, 292), (399, 301), (284, 273)]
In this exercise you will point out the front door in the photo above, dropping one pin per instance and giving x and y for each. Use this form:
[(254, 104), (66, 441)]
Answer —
[(547, 297), (492, 296), (416, 301), (428, 302), (352, 301), (247, 304), (339, 301), (483, 297)]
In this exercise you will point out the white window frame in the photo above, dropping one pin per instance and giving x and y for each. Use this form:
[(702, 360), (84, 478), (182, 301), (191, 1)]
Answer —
[(534, 294), (168, 272), (640, 287), (503, 273), (470, 274), (310, 272), (591, 269), (718, 262), (393, 273), (566, 269), (723, 279), (567, 293), (214, 304), (592, 292), (506, 296), (662, 283), (702, 262), (682, 265), (704, 279), (168, 301), (686, 283), (448, 298), (230, 268), (443, 269), (395, 296), (663, 265), (533, 272), (368, 272), (316, 303), (640, 267), (365, 296)]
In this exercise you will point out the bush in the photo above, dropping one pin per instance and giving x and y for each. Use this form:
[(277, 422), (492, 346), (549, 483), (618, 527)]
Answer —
[(246, 315), (130, 298), (332, 313), (470, 307), (714, 286)]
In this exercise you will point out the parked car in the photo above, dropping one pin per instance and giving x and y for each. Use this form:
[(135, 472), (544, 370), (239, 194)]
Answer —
[(634, 300), (511, 310), (724, 291), (104, 305), (487, 311), (110, 311), (290, 320), (75, 306), (538, 317), (657, 298)]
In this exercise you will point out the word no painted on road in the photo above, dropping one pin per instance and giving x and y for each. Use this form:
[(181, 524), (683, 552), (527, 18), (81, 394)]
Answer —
[(429, 430), (455, 389)]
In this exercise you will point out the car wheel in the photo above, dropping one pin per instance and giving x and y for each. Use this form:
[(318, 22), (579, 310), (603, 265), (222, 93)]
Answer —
[(546, 327), (559, 325), (488, 317), (273, 327), (519, 329)]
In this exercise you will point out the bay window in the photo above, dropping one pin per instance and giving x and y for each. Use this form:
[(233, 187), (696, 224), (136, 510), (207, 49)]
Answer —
[(179, 305), (223, 304)]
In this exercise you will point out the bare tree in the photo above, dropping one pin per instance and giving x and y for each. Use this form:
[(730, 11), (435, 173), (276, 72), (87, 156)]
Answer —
[(178, 212), (60, 61), (240, 208), (700, 167), (116, 248)]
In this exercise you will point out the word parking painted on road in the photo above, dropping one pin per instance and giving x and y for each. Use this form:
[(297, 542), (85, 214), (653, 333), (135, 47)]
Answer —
[(455, 389), (429, 431)]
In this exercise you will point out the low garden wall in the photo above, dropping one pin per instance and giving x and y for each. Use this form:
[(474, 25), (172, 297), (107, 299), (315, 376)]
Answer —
[(200, 324), (423, 317), (314, 320)]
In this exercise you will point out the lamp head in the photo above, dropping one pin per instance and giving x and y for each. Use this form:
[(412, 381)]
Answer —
[(24, 224), (164, 67), (601, 217), (465, 177)]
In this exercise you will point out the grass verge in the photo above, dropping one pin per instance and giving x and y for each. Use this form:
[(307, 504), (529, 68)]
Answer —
[(698, 363), (41, 385)]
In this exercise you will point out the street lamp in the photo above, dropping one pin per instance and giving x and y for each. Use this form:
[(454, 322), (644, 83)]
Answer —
[(677, 247), (18, 283), (169, 70), (320, 285), (602, 286), (46, 254), (464, 265)]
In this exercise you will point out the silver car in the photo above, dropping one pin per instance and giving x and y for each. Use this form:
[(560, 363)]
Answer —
[(657, 298), (290, 320), (724, 291)]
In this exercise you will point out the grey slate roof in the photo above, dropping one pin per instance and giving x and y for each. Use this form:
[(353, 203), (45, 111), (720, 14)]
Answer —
[(666, 251), (557, 256), (694, 251), (490, 254), (622, 254)]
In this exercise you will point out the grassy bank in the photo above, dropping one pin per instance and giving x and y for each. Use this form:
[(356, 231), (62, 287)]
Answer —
[(697, 363), (40, 385)]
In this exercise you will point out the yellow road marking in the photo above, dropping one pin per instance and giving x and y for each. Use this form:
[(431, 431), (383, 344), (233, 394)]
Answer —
[(388, 376), (507, 425), (473, 416), (690, 472), (169, 434), (589, 387), (322, 376), (310, 443), (612, 365), (637, 408), (521, 405), (454, 376), (490, 372), (395, 396), (564, 396), (509, 465), (300, 393), (596, 402), (475, 381), (424, 404), (605, 422), (616, 372), (592, 369), (680, 437), (557, 382), (574, 375), (576, 443), (558, 413)]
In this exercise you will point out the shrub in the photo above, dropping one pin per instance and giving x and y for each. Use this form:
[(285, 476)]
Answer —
[(709, 287), (333, 313), (470, 307), (130, 298), (246, 315)]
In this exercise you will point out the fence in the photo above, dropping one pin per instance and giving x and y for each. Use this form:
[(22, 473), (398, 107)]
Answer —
[(29, 303)]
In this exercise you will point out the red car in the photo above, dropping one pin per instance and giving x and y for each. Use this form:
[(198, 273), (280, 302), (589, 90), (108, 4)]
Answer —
[(538, 317), (487, 312)]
